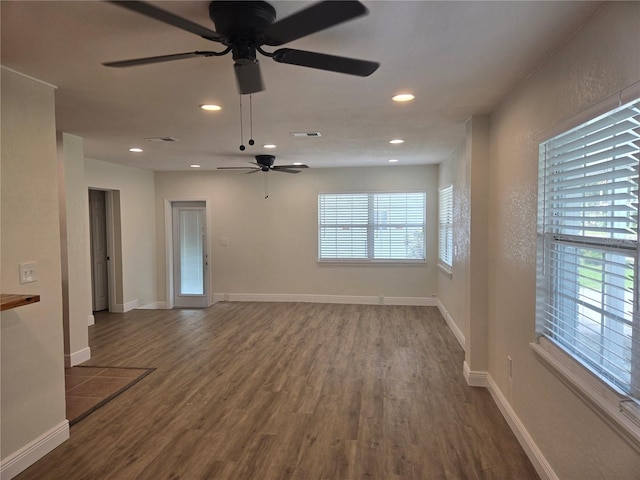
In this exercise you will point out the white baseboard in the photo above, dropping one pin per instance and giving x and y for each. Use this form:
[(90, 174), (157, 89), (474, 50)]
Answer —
[(474, 378), (126, 307), (34, 451), (91, 320), (452, 325), (76, 358), (154, 306), (309, 298), (530, 447)]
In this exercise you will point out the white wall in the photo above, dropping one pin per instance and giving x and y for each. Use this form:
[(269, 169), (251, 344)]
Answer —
[(75, 254), (32, 405), (137, 228), (601, 59), (272, 243)]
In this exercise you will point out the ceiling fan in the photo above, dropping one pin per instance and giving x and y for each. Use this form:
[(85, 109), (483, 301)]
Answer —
[(244, 27), (264, 163)]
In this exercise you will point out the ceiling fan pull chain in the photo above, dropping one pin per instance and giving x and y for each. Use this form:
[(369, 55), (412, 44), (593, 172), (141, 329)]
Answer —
[(251, 142), (266, 185), (242, 147)]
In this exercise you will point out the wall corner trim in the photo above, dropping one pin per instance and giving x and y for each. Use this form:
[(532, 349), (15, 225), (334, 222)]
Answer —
[(530, 447), (91, 320), (474, 378), (76, 358), (34, 451)]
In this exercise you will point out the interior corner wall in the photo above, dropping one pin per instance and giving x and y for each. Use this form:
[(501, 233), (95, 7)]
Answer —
[(272, 244), (32, 403), (453, 290), (136, 243), (75, 254), (476, 334), (598, 61)]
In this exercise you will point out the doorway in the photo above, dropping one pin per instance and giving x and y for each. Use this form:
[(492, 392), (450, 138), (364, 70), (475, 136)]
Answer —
[(105, 246), (190, 259), (99, 251)]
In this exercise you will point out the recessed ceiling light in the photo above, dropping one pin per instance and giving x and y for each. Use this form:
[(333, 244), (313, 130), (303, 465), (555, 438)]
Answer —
[(210, 107), (135, 150), (194, 165), (396, 140), (393, 160), (297, 163), (403, 97), (269, 145)]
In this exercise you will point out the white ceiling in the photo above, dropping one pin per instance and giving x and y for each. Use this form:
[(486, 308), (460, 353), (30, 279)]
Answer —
[(458, 58)]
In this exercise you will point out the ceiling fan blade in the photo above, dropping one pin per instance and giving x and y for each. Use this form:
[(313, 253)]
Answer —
[(160, 58), (238, 168), (312, 19), (277, 167), (284, 170), (248, 77), (322, 61), (152, 11)]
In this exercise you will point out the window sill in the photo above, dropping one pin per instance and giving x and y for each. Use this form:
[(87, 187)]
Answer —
[(445, 269), (374, 263), (620, 411)]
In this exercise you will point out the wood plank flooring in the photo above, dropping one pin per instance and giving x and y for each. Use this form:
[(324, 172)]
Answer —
[(275, 391)]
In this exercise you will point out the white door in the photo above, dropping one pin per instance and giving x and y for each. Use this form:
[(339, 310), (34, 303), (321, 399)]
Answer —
[(190, 262), (99, 257)]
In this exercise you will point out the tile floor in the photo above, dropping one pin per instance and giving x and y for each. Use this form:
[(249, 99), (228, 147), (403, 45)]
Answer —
[(88, 388)]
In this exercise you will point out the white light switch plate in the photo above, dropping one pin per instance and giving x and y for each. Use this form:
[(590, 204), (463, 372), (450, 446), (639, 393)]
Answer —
[(28, 272)]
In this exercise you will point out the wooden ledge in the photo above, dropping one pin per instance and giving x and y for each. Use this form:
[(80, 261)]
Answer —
[(11, 300)]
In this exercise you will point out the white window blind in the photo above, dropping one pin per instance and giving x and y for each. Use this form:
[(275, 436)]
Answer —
[(588, 219), (371, 226), (445, 233)]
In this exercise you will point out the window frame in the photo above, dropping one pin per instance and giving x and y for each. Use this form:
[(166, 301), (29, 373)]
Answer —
[(445, 228), (371, 226)]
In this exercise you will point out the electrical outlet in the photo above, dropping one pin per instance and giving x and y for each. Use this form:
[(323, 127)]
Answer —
[(28, 272)]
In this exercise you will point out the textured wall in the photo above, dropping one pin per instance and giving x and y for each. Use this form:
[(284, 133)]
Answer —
[(598, 61), (453, 289)]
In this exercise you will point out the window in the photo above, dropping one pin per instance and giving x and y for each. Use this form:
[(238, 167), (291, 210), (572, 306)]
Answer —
[(588, 225), (371, 226), (445, 234)]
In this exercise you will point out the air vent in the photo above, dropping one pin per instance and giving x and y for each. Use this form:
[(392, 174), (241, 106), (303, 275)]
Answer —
[(305, 134), (162, 139)]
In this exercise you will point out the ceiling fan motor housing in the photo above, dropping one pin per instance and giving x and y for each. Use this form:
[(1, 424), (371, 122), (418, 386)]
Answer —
[(235, 19), (265, 160)]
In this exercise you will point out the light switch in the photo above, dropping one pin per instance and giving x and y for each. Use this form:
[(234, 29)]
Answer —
[(224, 242), (28, 272)]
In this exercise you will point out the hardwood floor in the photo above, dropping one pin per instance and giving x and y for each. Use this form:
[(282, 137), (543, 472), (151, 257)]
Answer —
[(287, 391)]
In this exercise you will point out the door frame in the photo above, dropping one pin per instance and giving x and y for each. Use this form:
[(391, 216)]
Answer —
[(168, 251)]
